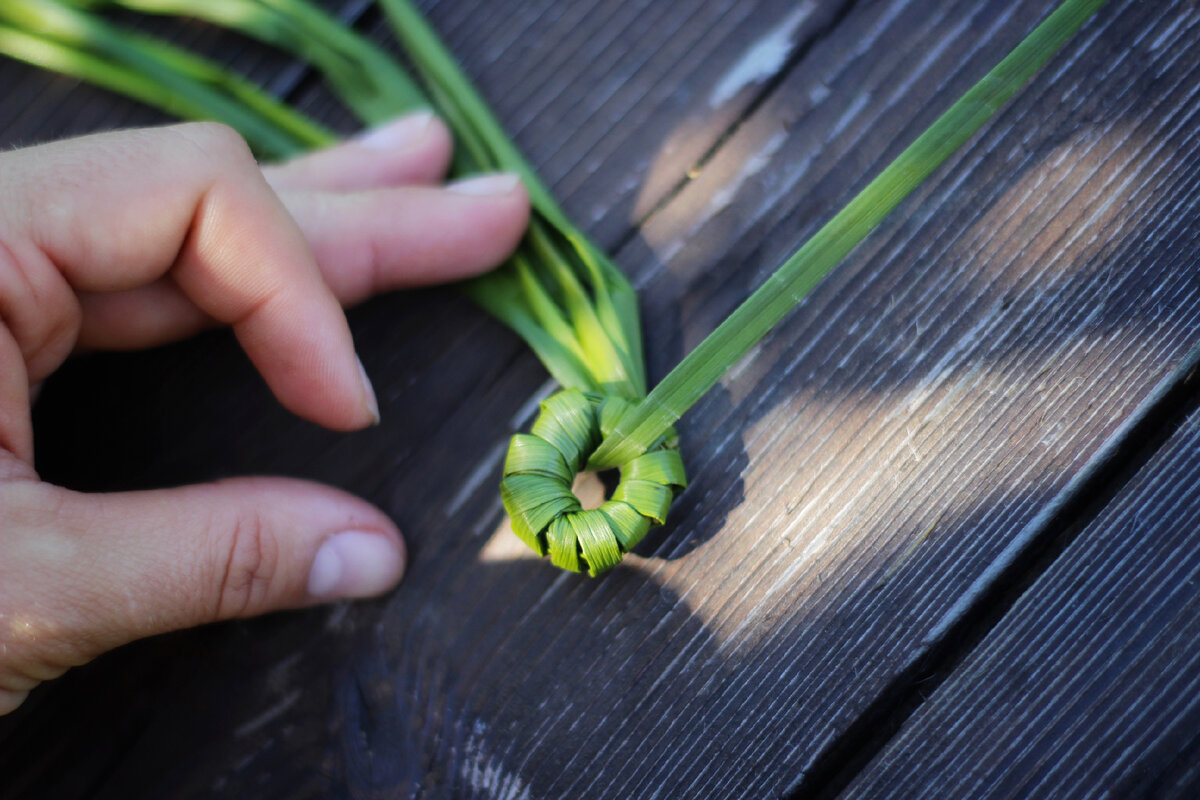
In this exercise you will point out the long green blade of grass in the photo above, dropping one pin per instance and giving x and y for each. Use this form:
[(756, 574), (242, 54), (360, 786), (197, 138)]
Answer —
[(365, 77), (614, 299), (734, 337), (50, 34)]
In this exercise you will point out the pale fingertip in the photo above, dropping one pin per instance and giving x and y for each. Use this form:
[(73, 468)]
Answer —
[(404, 133), (487, 185), (10, 701), (372, 401), (355, 564)]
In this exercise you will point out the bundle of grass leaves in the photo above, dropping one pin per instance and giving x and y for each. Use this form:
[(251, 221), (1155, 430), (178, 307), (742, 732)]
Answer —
[(559, 292)]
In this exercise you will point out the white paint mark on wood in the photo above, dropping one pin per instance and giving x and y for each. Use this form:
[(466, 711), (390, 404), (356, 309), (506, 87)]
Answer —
[(527, 410), (1168, 34), (487, 466), (280, 674), (266, 717), (337, 615), (485, 774), (762, 59), (857, 106)]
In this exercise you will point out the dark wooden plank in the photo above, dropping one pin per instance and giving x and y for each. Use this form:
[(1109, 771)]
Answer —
[(645, 89), (929, 410), (1090, 686), (724, 596), (141, 447), (938, 396), (940, 392)]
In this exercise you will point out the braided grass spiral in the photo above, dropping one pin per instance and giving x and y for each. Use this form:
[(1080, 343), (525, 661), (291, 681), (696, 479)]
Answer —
[(541, 466)]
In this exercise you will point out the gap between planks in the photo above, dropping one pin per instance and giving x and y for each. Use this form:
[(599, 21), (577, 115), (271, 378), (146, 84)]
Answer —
[(1032, 552), (763, 93)]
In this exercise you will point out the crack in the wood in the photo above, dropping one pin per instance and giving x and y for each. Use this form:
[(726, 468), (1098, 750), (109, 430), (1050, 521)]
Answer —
[(768, 88), (1176, 398)]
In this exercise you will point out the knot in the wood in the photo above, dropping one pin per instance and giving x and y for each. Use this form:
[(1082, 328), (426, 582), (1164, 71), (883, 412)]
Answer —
[(541, 467)]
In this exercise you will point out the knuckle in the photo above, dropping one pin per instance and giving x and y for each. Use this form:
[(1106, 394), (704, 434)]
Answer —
[(26, 505), (218, 143), (36, 305), (250, 566)]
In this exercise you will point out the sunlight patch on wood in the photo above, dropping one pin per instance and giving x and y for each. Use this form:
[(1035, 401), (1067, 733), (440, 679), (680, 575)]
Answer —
[(504, 546)]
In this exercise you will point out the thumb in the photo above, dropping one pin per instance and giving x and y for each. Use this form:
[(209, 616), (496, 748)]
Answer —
[(237, 548), (81, 574)]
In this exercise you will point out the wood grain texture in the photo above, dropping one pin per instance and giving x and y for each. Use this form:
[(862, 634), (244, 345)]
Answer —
[(644, 89), (1090, 686), (853, 479)]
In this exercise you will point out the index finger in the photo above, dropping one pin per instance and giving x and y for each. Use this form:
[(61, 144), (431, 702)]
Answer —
[(116, 211)]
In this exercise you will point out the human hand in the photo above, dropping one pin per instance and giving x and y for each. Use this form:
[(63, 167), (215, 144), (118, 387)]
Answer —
[(133, 239)]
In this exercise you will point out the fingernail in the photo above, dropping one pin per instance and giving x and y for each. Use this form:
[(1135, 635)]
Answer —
[(499, 184), (399, 134), (372, 400), (355, 564)]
